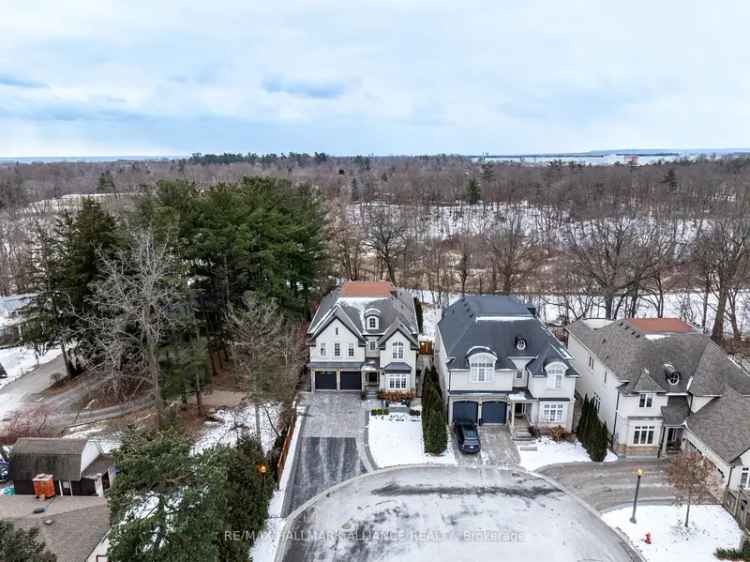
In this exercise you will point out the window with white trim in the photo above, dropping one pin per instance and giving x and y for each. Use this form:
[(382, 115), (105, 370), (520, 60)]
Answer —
[(398, 381), (336, 330), (337, 349), (372, 323), (744, 477), (643, 434), (373, 345), (482, 368), (553, 412), (322, 349), (555, 375), (398, 350), (591, 362), (351, 350), (605, 376), (646, 400)]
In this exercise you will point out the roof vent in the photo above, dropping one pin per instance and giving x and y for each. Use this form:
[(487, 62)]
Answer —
[(520, 343), (673, 375)]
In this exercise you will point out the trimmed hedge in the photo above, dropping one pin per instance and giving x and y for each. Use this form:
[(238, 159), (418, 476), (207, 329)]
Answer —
[(434, 422)]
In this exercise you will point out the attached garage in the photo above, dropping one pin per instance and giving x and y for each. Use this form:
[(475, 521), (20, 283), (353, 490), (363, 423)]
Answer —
[(494, 412), (465, 411), (325, 380), (351, 380)]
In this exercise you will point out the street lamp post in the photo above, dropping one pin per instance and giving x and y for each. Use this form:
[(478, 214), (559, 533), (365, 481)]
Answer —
[(639, 474)]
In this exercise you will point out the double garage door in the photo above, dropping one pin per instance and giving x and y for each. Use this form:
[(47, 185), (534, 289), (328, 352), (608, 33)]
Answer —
[(468, 411), (349, 380)]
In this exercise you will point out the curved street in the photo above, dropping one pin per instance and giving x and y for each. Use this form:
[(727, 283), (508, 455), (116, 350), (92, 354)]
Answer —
[(428, 513)]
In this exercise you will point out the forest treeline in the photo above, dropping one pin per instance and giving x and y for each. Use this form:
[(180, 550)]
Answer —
[(600, 239)]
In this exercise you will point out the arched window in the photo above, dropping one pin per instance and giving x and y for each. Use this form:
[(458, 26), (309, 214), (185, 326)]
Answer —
[(398, 350), (555, 374), (482, 367), (372, 322)]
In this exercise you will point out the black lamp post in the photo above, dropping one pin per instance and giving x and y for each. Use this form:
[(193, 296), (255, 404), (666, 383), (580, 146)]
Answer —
[(639, 474)]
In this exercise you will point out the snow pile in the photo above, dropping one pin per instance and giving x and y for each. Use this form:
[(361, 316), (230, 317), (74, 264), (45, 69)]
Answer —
[(550, 452), (396, 439), (235, 422), (267, 543), (20, 360), (711, 527)]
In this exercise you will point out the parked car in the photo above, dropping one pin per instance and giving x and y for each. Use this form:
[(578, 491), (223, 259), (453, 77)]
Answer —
[(3, 471), (468, 438), (3, 374)]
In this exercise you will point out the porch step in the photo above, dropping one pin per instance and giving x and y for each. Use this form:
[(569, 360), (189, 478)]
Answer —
[(527, 447), (522, 436), (372, 394)]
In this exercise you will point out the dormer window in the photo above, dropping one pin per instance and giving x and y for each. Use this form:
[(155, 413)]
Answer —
[(672, 375), (372, 323), (520, 343), (482, 367), (555, 373)]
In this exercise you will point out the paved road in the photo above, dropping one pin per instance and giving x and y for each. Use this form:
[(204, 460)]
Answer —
[(612, 484), (438, 512), (26, 388), (331, 447)]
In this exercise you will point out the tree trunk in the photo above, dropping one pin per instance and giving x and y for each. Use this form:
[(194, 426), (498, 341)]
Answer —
[(717, 333), (687, 513)]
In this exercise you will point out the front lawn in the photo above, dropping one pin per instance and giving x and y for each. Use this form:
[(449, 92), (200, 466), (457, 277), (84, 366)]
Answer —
[(396, 439), (711, 527), (550, 452)]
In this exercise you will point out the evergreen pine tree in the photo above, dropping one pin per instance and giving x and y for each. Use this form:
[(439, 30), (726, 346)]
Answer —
[(473, 192)]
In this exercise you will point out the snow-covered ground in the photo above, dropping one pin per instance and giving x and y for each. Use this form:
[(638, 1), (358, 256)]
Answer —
[(711, 527), (20, 360), (550, 452), (396, 439), (265, 546), (234, 423)]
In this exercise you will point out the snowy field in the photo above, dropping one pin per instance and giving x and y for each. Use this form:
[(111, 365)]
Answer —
[(234, 423), (549, 452), (396, 439), (20, 360), (711, 527)]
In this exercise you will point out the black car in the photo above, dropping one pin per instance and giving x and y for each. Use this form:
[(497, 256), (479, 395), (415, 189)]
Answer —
[(468, 437), (3, 471), (3, 374)]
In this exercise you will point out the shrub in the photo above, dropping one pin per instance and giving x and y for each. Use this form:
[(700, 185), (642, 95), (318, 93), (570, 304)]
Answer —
[(558, 433), (363, 395), (534, 431), (379, 412), (733, 553), (418, 310), (434, 423), (415, 413)]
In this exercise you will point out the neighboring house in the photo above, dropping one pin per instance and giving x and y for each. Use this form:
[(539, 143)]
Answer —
[(10, 318), (661, 386), (73, 529), (499, 364), (364, 336), (77, 466)]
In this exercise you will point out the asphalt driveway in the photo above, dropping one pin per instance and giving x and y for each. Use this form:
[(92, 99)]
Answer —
[(331, 447), (429, 513), (612, 484)]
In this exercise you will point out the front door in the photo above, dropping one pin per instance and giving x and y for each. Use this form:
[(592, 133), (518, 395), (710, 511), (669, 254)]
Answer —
[(520, 410), (372, 378)]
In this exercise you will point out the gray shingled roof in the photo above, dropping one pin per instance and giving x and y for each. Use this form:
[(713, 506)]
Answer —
[(397, 367), (495, 322), (399, 308), (59, 457), (676, 410), (640, 361), (722, 424)]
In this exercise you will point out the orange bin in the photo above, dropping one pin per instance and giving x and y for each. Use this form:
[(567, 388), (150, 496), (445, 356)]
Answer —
[(44, 486)]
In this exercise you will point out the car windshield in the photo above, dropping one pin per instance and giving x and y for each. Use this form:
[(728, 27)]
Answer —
[(470, 433)]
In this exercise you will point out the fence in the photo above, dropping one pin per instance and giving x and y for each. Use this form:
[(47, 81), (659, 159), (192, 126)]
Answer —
[(287, 440)]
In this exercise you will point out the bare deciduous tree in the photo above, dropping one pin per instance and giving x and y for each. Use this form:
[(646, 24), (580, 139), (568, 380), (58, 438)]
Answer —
[(139, 298), (692, 476), (268, 352)]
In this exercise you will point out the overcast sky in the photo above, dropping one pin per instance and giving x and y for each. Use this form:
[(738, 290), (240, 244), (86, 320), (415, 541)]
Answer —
[(385, 77)]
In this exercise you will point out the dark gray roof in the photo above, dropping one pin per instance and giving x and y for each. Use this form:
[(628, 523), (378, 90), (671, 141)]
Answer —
[(398, 326), (676, 410), (59, 457), (398, 308), (495, 322), (73, 535), (641, 360), (397, 367), (722, 424)]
